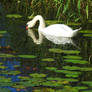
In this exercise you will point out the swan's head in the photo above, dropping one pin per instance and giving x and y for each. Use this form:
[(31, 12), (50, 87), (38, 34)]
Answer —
[(30, 24)]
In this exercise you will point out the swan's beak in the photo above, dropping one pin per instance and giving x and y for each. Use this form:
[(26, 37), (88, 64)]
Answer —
[(26, 27)]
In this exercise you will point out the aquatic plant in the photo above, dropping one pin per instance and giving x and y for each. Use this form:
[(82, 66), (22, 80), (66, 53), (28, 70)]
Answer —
[(67, 10)]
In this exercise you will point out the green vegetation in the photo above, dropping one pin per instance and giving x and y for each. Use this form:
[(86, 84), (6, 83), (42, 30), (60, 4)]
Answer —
[(70, 10)]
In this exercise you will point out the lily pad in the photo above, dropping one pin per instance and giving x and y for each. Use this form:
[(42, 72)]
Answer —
[(3, 31), (12, 72), (76, 61), (4, 79), (86, 69), (89, 83), (71, 67), (38, 75), (48, 59), (53, 83), (5, 90), (87, 35), (24, 78), (56, 50), (86, 31), (51, 68), (2, 67), (13, 16), (66, 80), (72, 57), (6, 55), (26, 56)]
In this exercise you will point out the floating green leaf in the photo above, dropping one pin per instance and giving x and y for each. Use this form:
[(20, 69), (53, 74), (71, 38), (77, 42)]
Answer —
[(51, 68), (2, 67), (76, 61), (71, 51), (13, 16), (86, 31), (87, 91), (52, 83), (4, 79), (12, 72), (72, 57), (48, 59), (89, 83), (66, 80), (56, 50), (26, 56), (87, 35), (6, 55), (3, 31), (38, 75), (86, 69), (71, 67), (24, 78), (5, 90)]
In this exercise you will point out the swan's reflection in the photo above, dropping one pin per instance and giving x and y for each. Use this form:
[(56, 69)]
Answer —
[(55, 40), (60, 40)]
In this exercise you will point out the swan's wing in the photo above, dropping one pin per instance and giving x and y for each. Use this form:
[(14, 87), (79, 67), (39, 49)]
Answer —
[(57, 30)]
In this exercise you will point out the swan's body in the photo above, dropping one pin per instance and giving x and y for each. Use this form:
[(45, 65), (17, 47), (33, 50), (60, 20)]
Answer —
[(50, 32)]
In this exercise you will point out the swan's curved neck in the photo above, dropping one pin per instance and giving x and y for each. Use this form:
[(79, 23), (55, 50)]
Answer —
[(41, 22), (35, 40), (41, 27)]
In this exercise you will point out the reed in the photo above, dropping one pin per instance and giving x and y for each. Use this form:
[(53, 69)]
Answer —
[(67, 10)]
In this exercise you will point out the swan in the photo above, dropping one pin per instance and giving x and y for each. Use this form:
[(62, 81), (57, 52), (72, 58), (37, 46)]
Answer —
[(51, 32)]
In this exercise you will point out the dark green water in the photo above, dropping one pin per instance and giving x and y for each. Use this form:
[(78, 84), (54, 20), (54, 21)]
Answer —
[(49, 67)]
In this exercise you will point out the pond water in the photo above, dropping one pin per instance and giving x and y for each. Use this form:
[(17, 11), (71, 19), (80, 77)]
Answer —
[(49, 67)]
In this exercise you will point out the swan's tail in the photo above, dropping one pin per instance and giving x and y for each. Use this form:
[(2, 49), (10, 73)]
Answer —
[(78, 29)]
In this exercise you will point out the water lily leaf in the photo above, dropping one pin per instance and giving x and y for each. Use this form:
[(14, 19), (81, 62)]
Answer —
[(4, 84), (80, 87), (3, 31), (71, 51), (1, 63), (26, 56), (86, 31), (87, 91), (4, 79), (87, 35), (51, 68), (24, 78), (2, 67), (72, 75), (62, 79), (76, 61), (6, 55), (86, 69), (72, 57), (48, 59), (71, 67), (89, 21), (5, 90), (37, 75), (52, 83), (89, 83), (13, 16), (12, 72), (73, 24), (55, 50)]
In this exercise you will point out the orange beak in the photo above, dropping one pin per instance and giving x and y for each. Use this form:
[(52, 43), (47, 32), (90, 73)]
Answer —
[(26, 27)]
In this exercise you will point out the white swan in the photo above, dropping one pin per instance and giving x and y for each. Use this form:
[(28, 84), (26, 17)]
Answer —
[(50, 32)]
